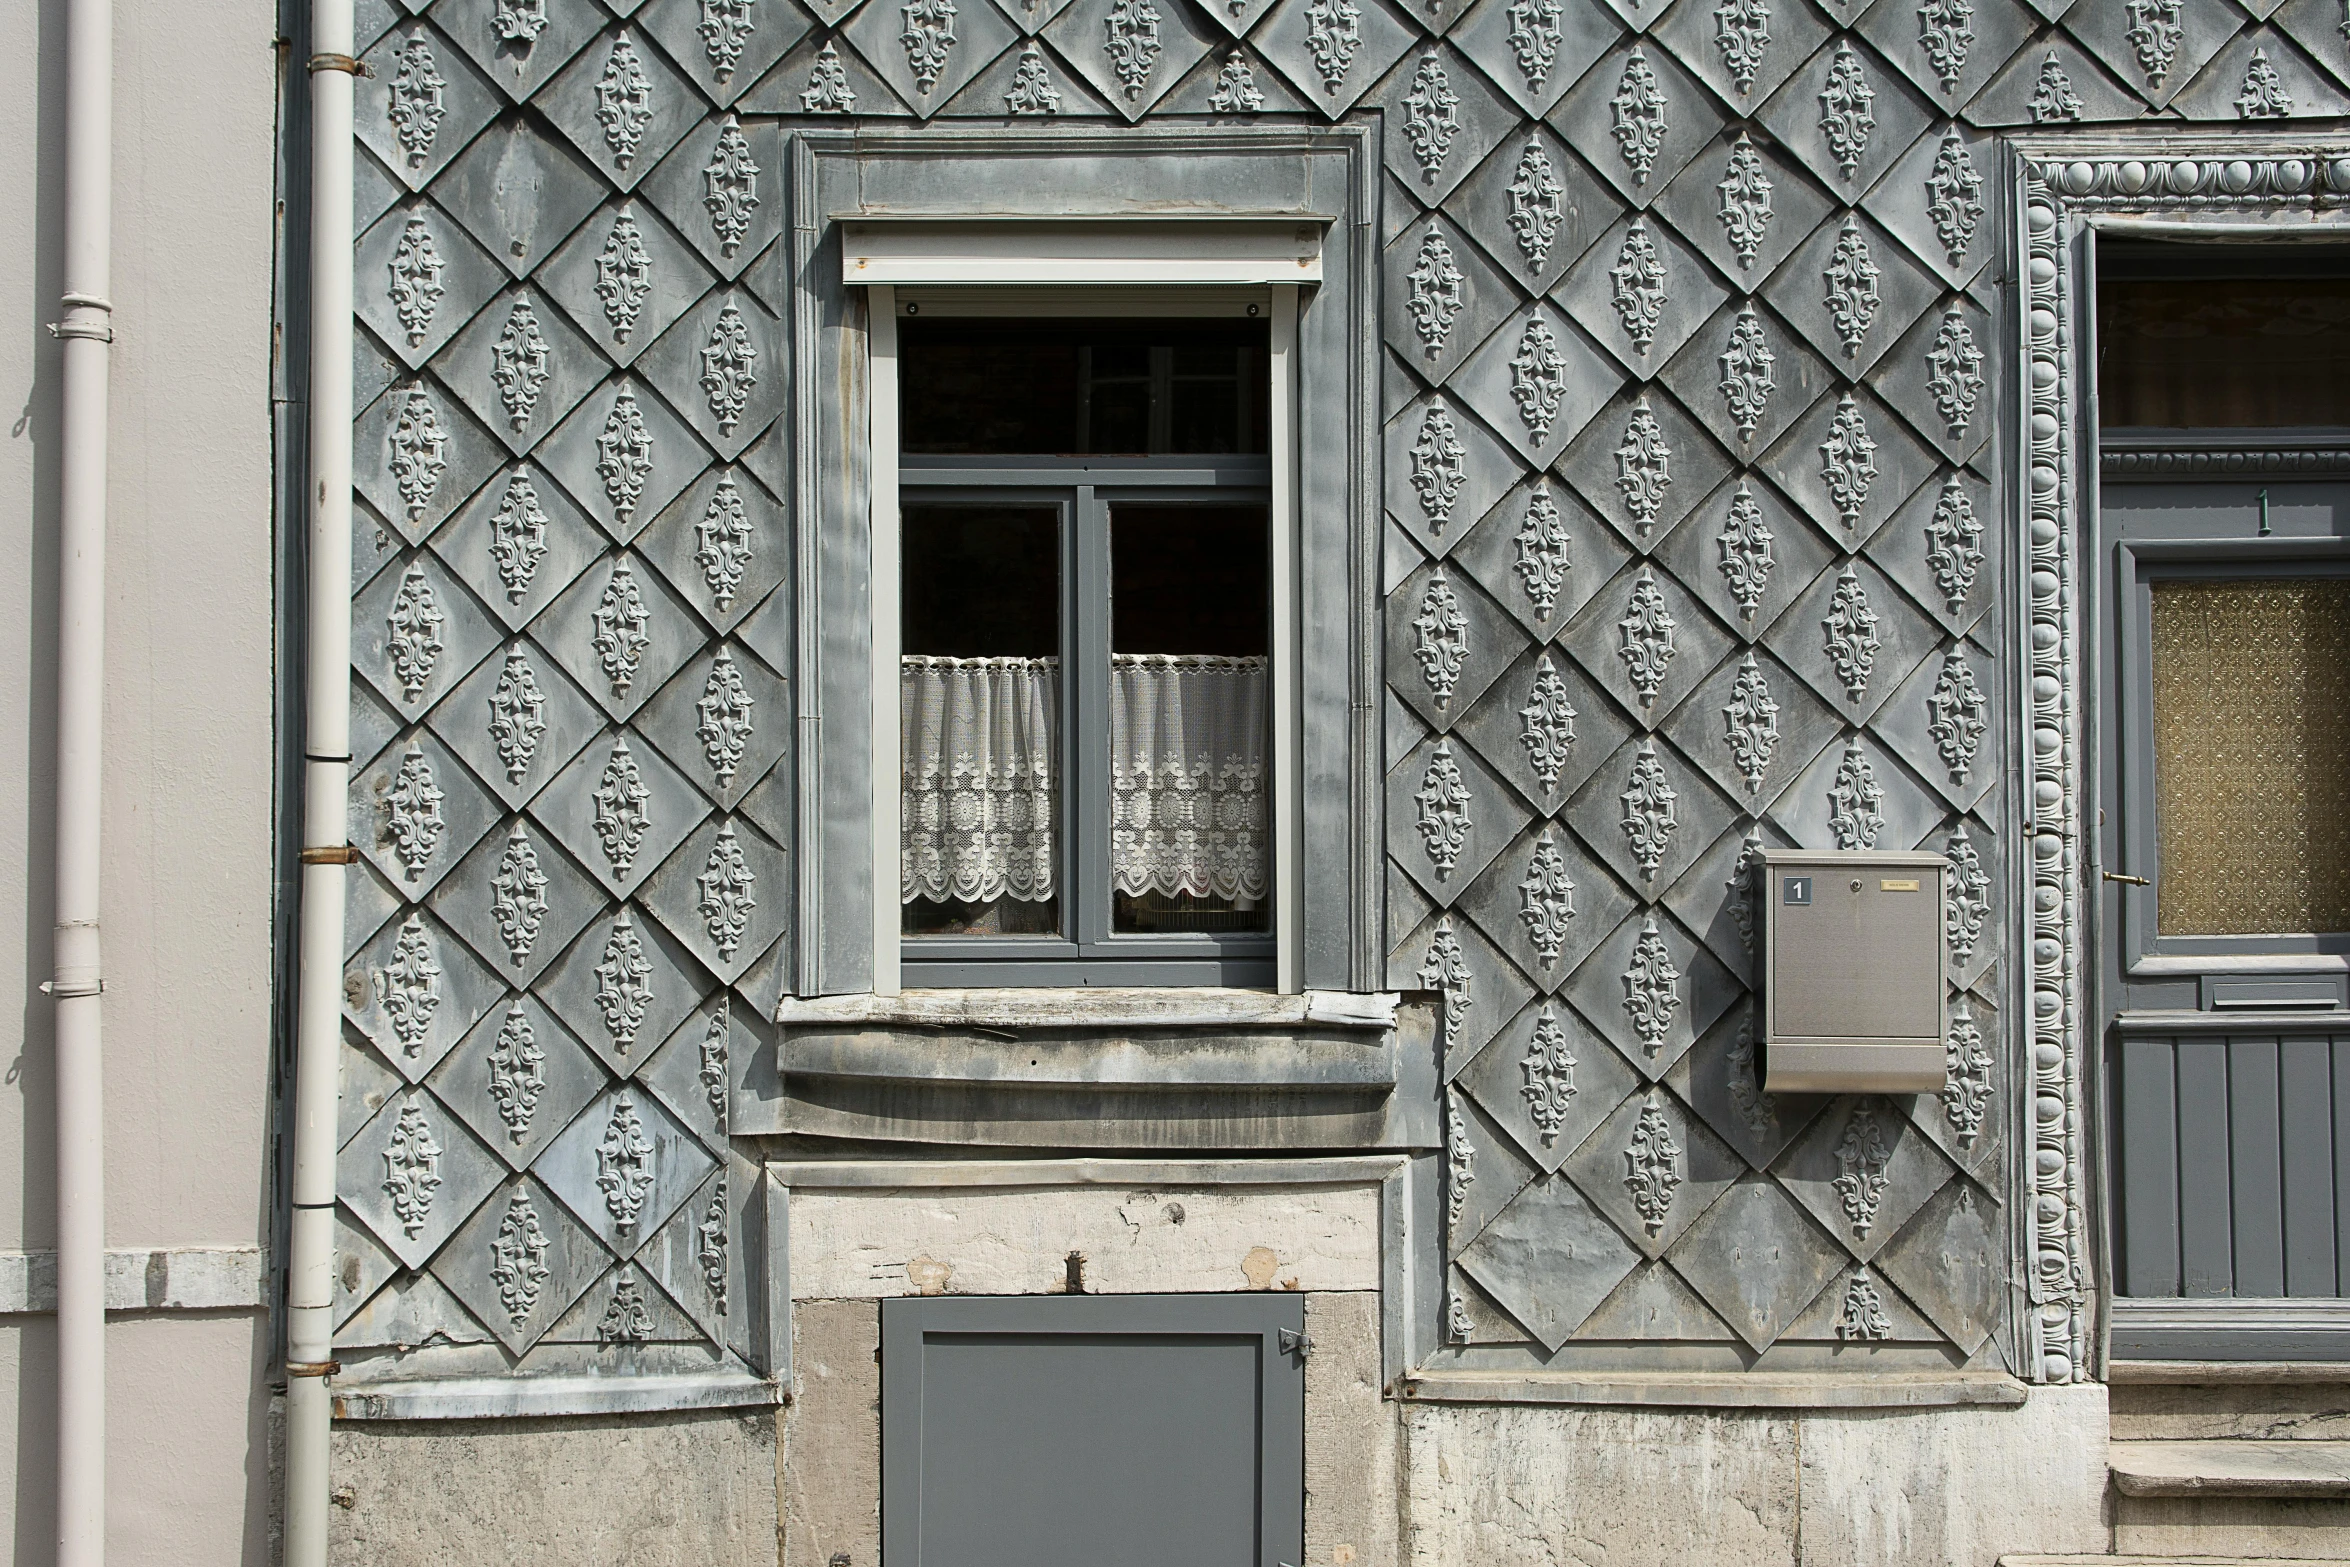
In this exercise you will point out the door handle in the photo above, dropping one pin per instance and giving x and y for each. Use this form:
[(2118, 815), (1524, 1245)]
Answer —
[(2127, 881)]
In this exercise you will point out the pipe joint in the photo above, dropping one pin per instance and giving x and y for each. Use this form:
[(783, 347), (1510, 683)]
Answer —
[(349, 65)]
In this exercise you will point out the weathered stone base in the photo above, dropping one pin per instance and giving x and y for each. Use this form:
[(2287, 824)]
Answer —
[(2233, 1528)]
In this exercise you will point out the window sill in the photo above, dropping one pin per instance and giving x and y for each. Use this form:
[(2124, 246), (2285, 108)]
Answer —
[(1735, 1390), (485, 1398), (1172, 1007)]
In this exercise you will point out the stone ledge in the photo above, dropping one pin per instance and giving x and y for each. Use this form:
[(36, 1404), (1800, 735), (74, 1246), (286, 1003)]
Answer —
[(482, 1398), (2231, 1467), (1108, 1007), (1731, 1390), (2163, 1561), (2160, 1372)]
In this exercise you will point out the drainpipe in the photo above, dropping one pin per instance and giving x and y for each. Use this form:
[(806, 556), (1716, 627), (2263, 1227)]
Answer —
[(81, 682), (326, 768)]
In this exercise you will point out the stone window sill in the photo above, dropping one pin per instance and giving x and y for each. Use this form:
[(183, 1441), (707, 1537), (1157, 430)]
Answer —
[(1173, 1007), (1735, 1390)]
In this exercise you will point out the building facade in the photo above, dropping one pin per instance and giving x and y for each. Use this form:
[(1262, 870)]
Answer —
[(1376, 521)]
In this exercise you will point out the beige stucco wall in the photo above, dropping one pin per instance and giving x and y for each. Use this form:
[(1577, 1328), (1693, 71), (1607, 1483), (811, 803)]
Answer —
[(188, 741)]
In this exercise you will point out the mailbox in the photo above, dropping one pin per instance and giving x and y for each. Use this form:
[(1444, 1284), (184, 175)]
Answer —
[(1853, 971)]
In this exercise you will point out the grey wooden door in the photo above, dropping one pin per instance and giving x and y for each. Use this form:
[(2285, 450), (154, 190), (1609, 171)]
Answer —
[(1108, 1431)]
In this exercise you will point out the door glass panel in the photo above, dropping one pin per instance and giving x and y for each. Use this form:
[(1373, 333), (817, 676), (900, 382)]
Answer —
[(2251, 682), (2230, 353), (979, 720), (1110, 387), (1190, 619)]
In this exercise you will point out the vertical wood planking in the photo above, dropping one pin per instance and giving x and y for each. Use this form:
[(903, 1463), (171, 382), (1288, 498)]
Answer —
[(2305, 1114), (2149, 1157), (2256, 1168), (2206, 1260)]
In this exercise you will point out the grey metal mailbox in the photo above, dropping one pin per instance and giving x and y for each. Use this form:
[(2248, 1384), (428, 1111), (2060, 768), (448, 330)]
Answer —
[(1854, 971)]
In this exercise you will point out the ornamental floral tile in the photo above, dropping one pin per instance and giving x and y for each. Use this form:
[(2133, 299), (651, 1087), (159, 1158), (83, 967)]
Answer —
[(1546, 1079), (622, 104), (1237, 86), (1968, 1120), (1757, 1259), (1444, 115), (723, 723), (1949, 48), (1472, 1317), (1943, 549), (1940, 377), (1483, 1171), (418, 102), (624, 277), (1742, 49), (1720, 1077), (2261, 78), (623, 987), (695, 1072), (1444, 297), (362, 1267), (413, 991), (517, 899), (1534, 206), (1534, 49), (413, 1174), (1643, 463), (1537, 380), (1746, 553), (1858, 1310), (1649, 814), (1855, 637), (624, 1165), (1446, 642), (1749, 373), (2156, 47), (1653, 1168), (1132, 51), (1541, 554), (520, 1262), (1445, 470), (517, 1079), (520, 191), (1640, 117), (1745, 206), (1753, 726), (621, 633), (516, 721), (823, 79), (1641, 292), (1857, 795), (1550, 1258), (1940, 199), (1849, 463), (1944, 721), (416, 454), (520, 366), (1481, 989), (1544, 726), (1452, 815), (415, 633), (1646, 641), (417, 277), (691, 1257), (623, 455), (1974, 917), (1853, 291), (1846, 115), (2053, 83), (621, 1312), (722, 187), (1651, 989), (1716, 896), (620, 808), (1029, 82), (1546, 903), (1334, 51), (722, 367), (518, 543), (724, 46), (520, 48), (1653, 1305), (415, 811), (1862, 1169), (2313, 24), (725, 894), (1951, 1262)]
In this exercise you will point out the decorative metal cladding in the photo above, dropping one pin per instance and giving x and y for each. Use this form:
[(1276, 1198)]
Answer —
[(519, 364), (624, 275), (418, 100), (1862, 1316), (621, 620), (1445, 969), (730, 368), (412, 812), (730, 180), (1848, 461), (1334, 32), (416, 267), (723, 715), (710, 1244), (624, 101), (1757, 1111), (1457, 1326), (1742, 32), (1856, 801), (1546, 900), (518, 536), (626, 1319), (928, 37), (1946, 32), (1542, 562), (412, 1169), (1431, 119), (1460, 1160), (1746, 192), (1440, 464), (725, 27), (1443, 802), (1739, 886), (1652, 811), (1954, 544), (2053, 100), (1637, 284), (518, 1072), (518, 897), (723, 893), (1549, 1066), (1961, 713), (1645, 638), (420, 451), (409, 987), (2264, 96), (624, 455), (1850, 629), (1537, 205), (521, 21), (518, 1259), (2154, 33), (1130, 41), (828, 90), (1436, 291), (1747, 364), (621, 817), (1852, 276), (1967, 1064), (1652, 1165), (1954, 374), (1638, 110), (1745, 544), (1861, 1157), (1652, 993), (1848, 110), (416, 620), (624, 988), (1547, 724), (722, 543), (1440, 636), (623, 1166), (1954, 196), (1644, 466), (1236, 90), (1534, 39), (712, 1076), (1538, 378), (1967, 908), (517, 715), (1750, 722)]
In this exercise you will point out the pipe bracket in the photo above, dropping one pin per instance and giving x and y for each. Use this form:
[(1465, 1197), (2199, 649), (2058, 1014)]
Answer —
[(70, 989), (313, 1368), (340, 854), (350, 65)]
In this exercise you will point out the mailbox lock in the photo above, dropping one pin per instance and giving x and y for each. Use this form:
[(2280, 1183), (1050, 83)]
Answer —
[(1856, 886)]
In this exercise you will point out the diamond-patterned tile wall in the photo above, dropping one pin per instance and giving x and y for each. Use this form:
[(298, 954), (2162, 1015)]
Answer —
[(1695, 545)]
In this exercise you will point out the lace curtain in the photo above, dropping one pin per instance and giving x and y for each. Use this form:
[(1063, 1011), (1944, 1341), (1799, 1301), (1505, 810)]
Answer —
[(980, 777)]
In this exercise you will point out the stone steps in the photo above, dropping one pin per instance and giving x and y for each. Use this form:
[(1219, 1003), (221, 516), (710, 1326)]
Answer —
[(2165, 1561), (2231, 1467)]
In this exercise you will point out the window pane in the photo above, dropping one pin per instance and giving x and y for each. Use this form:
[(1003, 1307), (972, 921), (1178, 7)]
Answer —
[(2227, 353), (1190, 618), (1114, 387), (979, 720), (2252, 755)]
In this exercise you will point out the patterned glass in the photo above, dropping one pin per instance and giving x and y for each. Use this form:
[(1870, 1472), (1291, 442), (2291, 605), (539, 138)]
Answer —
[(2252, 755)]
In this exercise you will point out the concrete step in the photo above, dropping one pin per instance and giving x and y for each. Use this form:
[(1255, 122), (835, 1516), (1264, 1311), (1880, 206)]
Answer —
[(2231, 1467)]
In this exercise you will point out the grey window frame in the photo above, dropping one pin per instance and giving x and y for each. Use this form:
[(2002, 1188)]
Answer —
[(1322, 174)]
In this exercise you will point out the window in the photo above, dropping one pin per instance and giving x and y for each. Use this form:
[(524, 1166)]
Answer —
[(1086, 555)]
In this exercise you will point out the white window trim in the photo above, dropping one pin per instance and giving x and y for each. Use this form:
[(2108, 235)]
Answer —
[(888, 640)]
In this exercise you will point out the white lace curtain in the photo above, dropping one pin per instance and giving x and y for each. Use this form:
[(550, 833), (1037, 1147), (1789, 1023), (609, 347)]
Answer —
[(980, 777)]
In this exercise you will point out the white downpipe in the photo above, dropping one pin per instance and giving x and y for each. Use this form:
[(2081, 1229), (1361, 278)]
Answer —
[(81, 684), (326, 768)]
